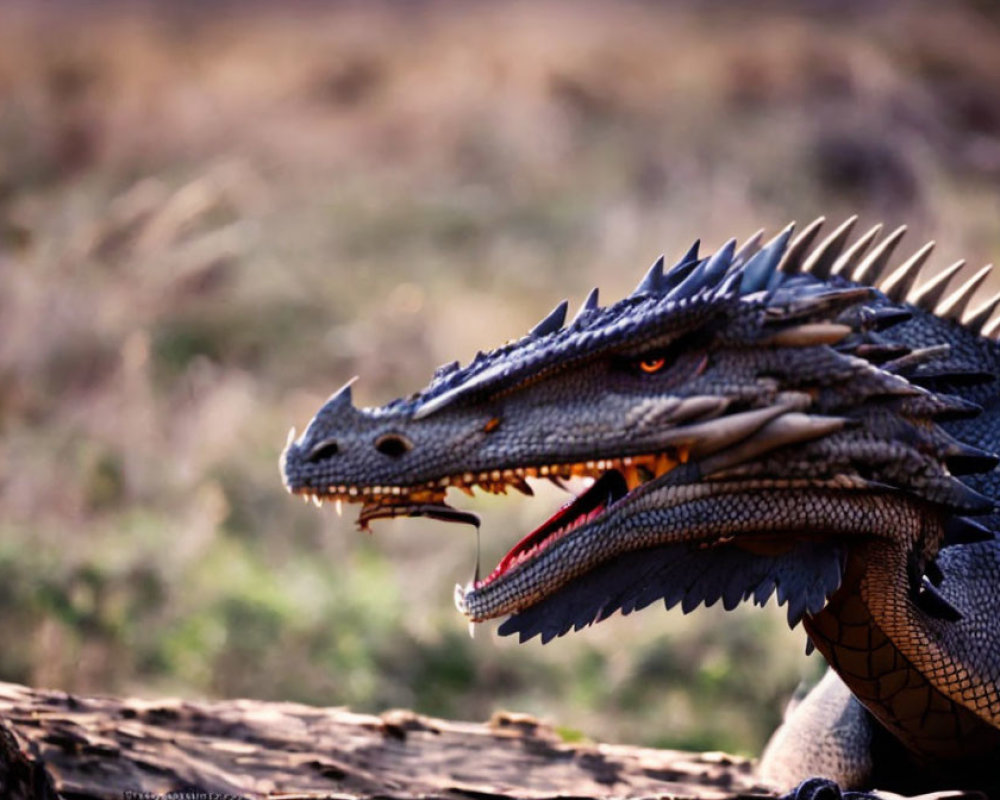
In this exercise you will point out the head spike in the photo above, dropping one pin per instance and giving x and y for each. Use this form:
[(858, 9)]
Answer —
[(720, 262), (341, 397), (589, 304), (707, 273), (679, 273), (762, 266), (989, 330), (869, 270), (652, 282), (552, 322), (977, 319), (927, 296), (690, 256), (731, 282), (899, 282), (953, 306), (749, 248), (850, 257), (821, 259), (792, 261), (336, 404)]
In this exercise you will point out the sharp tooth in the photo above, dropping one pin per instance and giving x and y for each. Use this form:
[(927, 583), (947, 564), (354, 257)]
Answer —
[(353, 491), (466, 489), (468, 477), (495, 475), (522, 486), (444, 481), (663, 464), (472, 629), (557, 481), (396, 490), (291, 436), (316, 501), (632, 479), (339, 505)]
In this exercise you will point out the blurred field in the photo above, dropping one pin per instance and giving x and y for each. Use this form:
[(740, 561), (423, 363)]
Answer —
[(210, 217)]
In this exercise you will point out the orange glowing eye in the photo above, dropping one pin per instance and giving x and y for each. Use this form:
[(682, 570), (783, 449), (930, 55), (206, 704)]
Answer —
[(651, 365)]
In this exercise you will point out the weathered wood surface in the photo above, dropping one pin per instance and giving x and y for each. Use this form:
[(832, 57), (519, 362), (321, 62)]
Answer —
[(57, 745)]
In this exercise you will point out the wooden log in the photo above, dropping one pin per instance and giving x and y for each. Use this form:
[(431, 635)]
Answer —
[(53, 744)]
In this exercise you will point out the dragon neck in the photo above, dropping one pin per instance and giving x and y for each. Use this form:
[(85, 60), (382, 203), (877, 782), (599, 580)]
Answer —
[(921, 678)]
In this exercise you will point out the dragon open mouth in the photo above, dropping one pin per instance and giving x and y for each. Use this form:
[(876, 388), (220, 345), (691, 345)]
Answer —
[(612, 479), (604, 493)]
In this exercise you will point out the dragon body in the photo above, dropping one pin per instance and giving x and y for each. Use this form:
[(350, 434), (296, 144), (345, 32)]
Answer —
[(762, 421)]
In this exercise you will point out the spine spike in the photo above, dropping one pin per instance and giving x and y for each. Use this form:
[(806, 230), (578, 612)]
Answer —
[(977, 319), (552, 322), (679, 271), (927, 296), (953, 306), (792, 261), (706, 273), (821, 259), (749, 248), (874, 263), (720, 262), (590, 304), (690, 256), (850, 257), (990, 329), (761, 268), (899, 282), (652, 282)]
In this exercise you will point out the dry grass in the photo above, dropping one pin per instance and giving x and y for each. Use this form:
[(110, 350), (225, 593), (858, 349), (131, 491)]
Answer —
[(210, 220)]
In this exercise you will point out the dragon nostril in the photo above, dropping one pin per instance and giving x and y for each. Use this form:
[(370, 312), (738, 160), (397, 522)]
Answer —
[(323, 450), (393, 444)]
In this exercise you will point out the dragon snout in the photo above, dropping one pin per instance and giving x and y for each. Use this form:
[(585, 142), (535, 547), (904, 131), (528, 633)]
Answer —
[(391, 444)]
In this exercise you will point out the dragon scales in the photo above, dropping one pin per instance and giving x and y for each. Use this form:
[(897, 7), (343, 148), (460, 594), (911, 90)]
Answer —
[(762, 421)]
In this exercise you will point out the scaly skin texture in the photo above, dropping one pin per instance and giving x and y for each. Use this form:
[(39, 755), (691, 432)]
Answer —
[(762, 421)]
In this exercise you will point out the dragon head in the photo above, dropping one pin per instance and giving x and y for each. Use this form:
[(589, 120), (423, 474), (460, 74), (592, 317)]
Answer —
[(745, 419)]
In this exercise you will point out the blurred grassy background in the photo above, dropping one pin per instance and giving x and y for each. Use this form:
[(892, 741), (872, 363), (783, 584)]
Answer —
[(211, 215)]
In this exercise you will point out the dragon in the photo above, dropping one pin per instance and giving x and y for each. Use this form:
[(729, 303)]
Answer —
[(761, 421)]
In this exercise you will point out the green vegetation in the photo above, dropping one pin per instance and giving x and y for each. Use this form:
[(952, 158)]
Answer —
[(207, 223)]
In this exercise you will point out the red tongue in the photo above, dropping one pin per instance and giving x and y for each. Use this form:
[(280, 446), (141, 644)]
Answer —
[(563, 517), (581, 510)]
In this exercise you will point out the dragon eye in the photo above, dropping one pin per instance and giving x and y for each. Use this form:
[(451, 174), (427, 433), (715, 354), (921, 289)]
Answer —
[(651, 365)]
